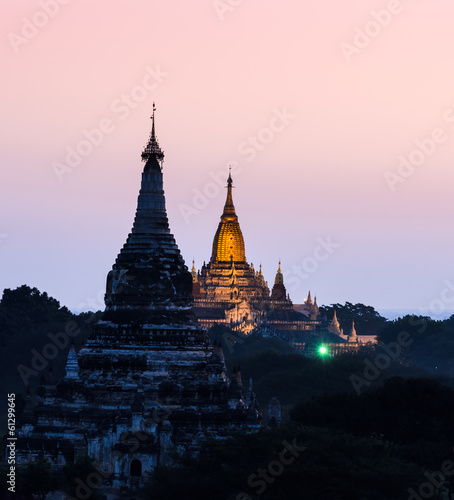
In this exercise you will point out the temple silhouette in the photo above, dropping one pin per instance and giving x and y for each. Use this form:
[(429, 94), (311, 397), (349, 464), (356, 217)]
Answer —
[(148, 380)]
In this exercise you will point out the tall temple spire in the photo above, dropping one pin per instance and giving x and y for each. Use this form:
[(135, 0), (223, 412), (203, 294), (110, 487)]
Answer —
[(152, 149), (149, 275)]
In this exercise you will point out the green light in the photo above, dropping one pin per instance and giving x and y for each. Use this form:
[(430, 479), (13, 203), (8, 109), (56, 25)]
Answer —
[(323, 350)]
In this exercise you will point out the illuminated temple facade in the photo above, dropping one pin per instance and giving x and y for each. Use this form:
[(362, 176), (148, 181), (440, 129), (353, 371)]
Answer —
[(228, 290)]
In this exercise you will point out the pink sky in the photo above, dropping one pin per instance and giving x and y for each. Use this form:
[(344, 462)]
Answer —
[(218, 79)]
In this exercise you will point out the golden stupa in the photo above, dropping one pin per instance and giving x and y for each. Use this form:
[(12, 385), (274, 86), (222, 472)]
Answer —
[(228, 242)]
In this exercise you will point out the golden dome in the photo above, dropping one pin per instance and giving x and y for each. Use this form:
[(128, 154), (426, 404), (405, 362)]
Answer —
[(228, 242)]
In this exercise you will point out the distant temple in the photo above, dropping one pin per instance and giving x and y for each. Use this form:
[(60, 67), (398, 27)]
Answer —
[(148, 380), (228, 290)]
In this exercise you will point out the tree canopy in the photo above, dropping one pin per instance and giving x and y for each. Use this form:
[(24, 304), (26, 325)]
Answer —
[(367, 320), (431, 343), (30, 320)]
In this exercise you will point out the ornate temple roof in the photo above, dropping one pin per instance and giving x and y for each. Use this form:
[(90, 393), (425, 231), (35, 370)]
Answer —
[(228, 242)]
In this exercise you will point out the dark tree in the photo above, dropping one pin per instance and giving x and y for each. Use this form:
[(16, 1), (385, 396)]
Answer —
[(290, 463), (36, 479), (84, 478), (430, 343), (367, 320), (415, 414), (30, 321)]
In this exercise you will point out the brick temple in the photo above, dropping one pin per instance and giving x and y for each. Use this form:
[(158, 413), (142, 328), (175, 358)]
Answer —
[(148, 380)]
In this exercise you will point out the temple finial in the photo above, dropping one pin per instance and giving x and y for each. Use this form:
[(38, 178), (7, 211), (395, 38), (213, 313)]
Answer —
[(353, 337), (195, 277), (229, 180), (279, 280), (152, 149), (153, 135), (229, 208)]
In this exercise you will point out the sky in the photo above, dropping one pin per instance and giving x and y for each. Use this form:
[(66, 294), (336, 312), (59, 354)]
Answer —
[(337, 119)]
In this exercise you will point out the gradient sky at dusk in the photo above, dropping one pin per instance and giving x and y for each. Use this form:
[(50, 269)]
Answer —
[(220, 77)]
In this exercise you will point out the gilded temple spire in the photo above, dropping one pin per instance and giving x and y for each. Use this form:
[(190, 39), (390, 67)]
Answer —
[(228, 244)]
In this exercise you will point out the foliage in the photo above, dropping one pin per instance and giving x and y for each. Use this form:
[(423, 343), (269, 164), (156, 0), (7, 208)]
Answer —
[(375, 446), (37, 479), (430, 342), (236, 344), (25, 308), (29, 320), (414, 413), (367, 320), (84, 478), (33, 480), (294, 378), (324, 465)]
